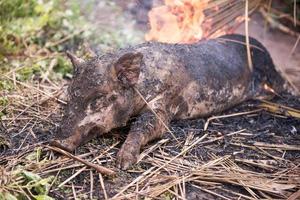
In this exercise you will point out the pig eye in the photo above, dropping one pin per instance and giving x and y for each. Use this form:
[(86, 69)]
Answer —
[(95, 102), (112, 98)]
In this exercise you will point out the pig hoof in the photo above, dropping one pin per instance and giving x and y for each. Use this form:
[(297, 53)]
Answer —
[(125, 159), (62, 145)]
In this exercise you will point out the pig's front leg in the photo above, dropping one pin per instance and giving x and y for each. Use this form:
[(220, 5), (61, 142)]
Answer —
[(147, 127)]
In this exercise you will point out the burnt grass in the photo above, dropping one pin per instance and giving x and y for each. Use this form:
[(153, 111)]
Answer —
[(262, 126)]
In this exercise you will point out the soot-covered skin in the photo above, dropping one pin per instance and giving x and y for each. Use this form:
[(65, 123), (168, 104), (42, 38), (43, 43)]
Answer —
[(179, 81)]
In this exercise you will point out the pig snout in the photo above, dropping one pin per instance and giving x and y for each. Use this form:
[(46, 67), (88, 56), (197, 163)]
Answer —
[(77, 135), (73, 131)]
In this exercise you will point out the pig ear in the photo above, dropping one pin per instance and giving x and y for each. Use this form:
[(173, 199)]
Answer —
[(128, 67), (75, 61)]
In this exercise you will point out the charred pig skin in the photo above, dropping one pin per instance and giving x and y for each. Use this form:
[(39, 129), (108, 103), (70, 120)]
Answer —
[(179, 81)]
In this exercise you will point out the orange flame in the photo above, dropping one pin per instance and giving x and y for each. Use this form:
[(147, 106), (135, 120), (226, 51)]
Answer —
[(178, 21)]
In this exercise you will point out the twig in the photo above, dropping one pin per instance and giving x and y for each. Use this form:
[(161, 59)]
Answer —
[(92, 184), (156, 115), (74, 192), (280, 109), (71, 177), (278, 14), (278, 146), (222, 137), (295, 13), (102, 186), (247, 36), (294, 47), (230, 115), (98, 168), (294, 196), (151, 149), (277, 24)]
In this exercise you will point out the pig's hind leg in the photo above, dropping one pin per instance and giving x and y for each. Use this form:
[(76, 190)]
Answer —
[(147, 127)]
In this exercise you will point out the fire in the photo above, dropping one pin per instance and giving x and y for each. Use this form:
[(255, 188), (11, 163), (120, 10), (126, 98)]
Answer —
[(268, 88), (177, 21)]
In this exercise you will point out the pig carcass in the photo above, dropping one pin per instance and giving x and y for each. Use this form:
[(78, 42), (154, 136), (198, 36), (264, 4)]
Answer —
[(178, 81)]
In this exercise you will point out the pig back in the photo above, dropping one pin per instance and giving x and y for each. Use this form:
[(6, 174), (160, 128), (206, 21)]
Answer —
[(215, 63), (204, 77)]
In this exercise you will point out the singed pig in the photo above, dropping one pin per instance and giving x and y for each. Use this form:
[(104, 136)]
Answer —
[(179, 81)]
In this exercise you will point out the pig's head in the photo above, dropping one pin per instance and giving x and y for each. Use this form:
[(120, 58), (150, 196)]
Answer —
[(101, 94)]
